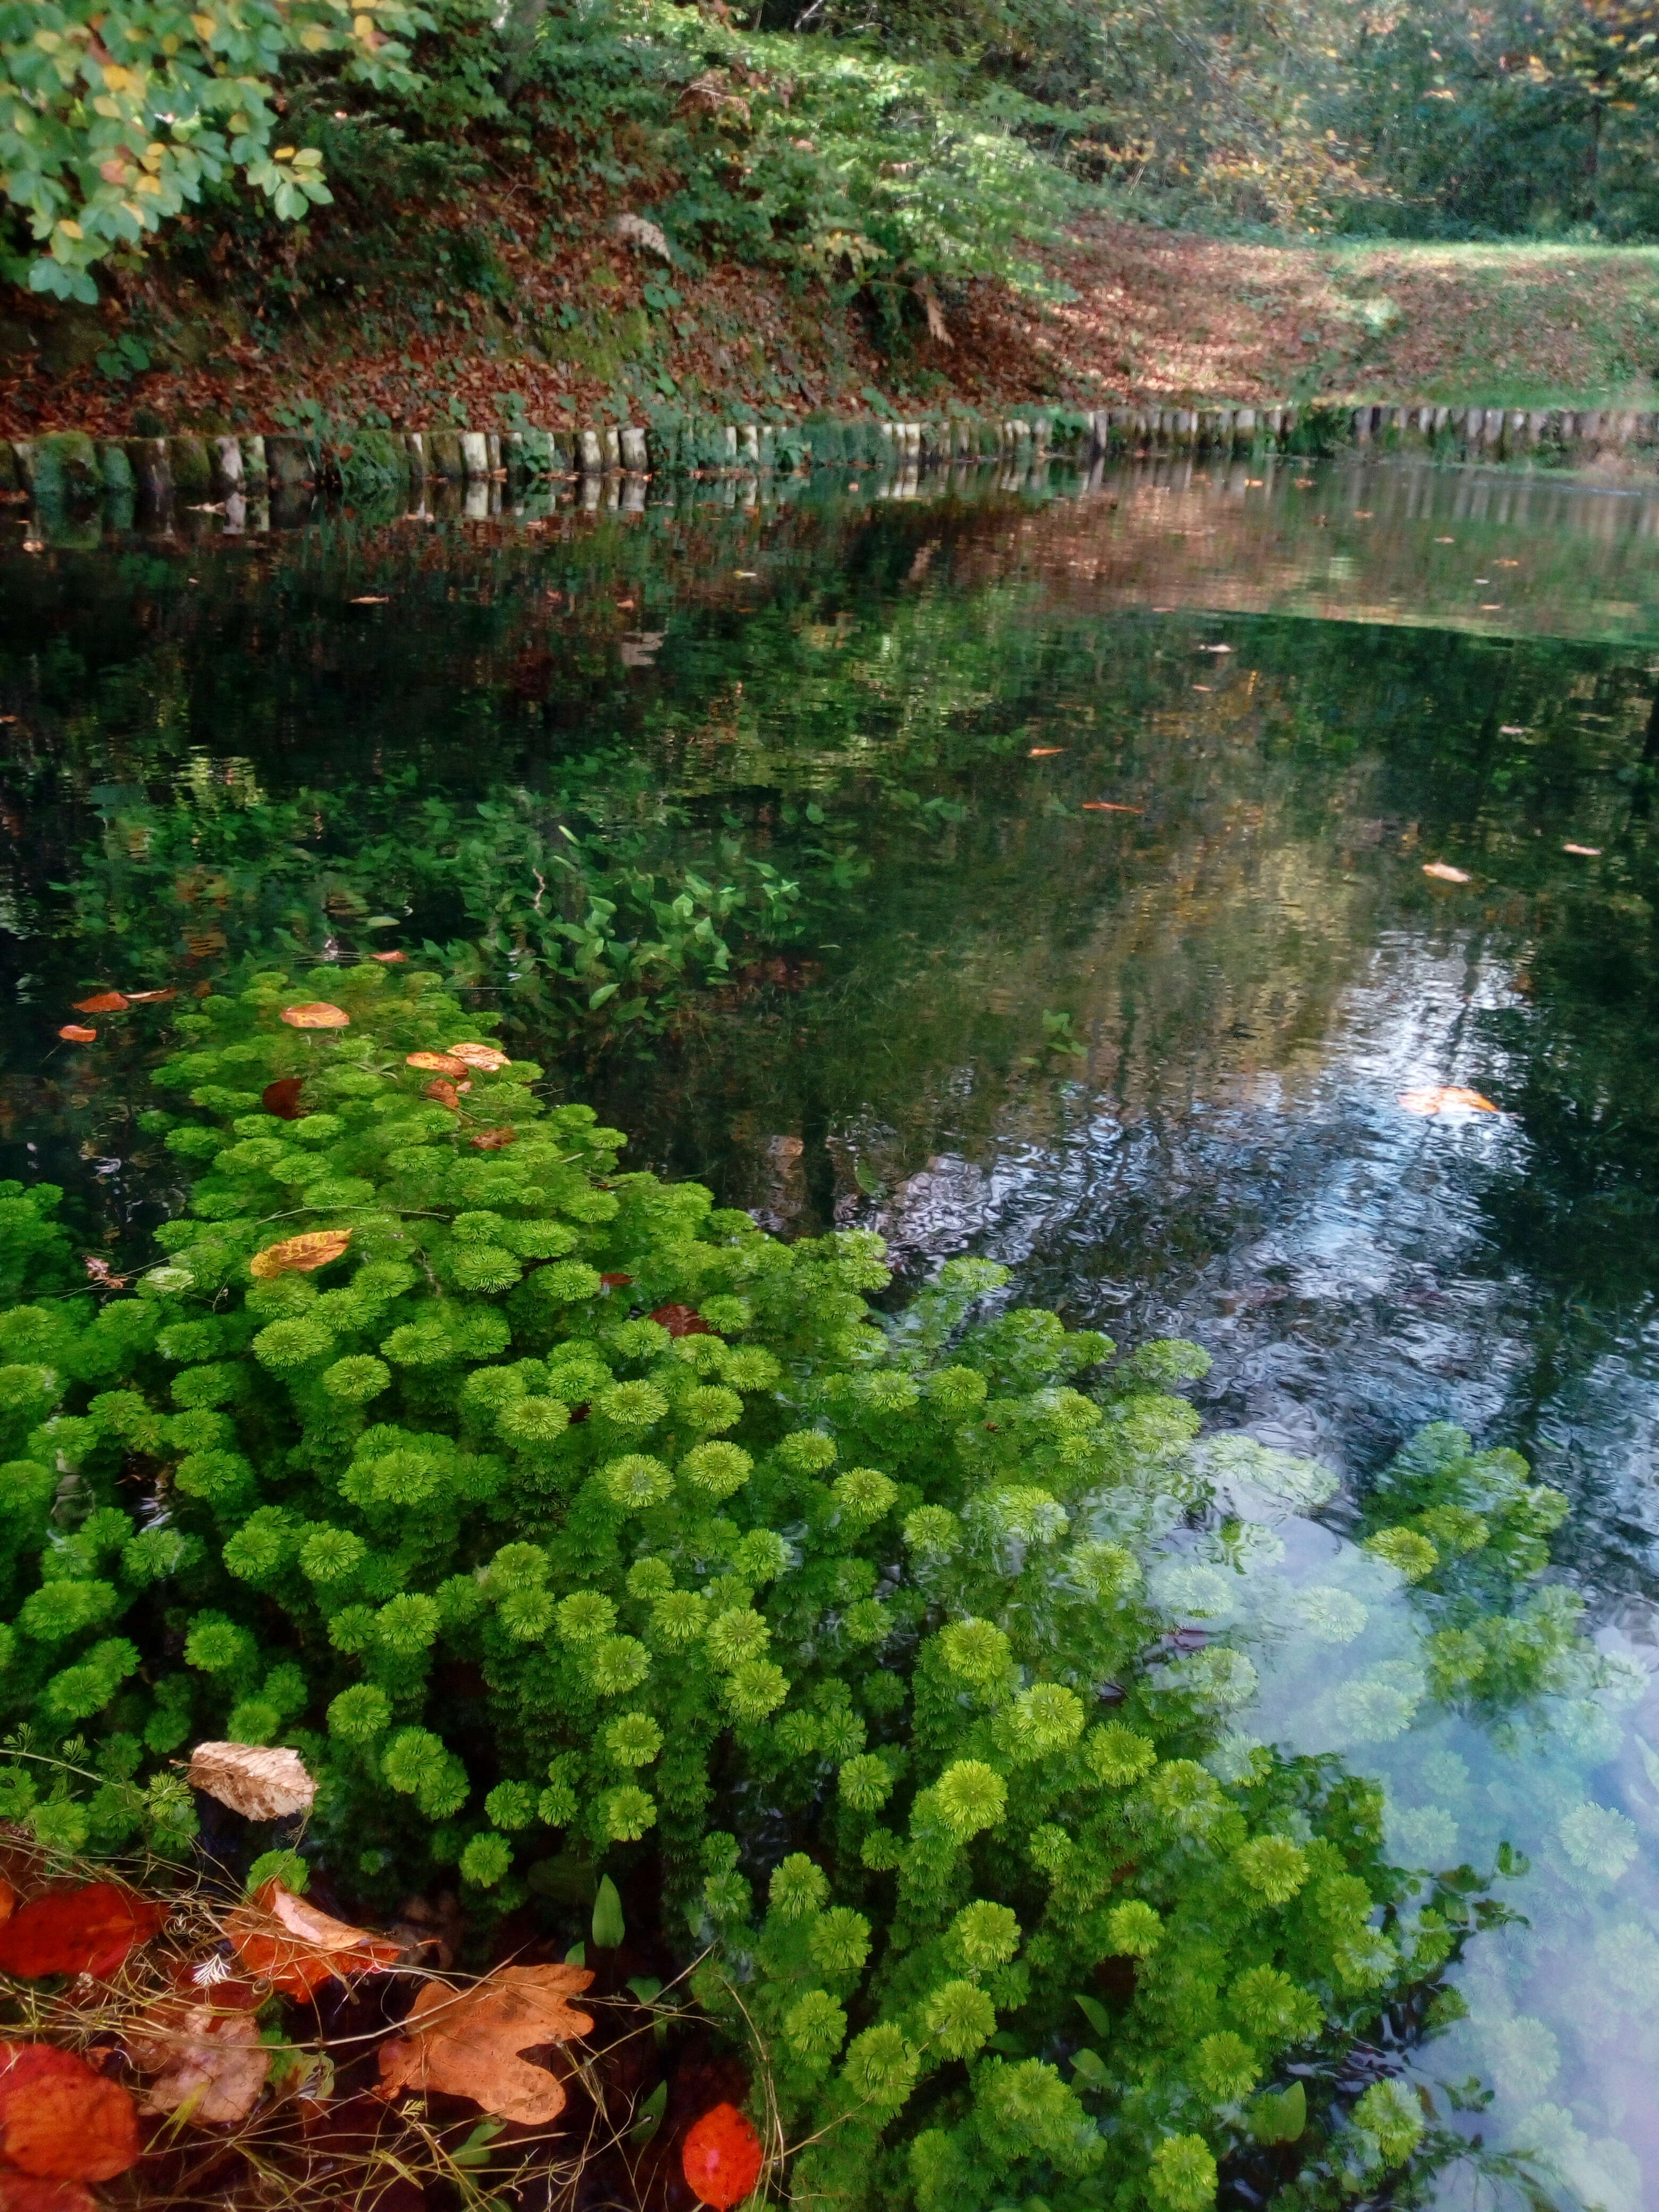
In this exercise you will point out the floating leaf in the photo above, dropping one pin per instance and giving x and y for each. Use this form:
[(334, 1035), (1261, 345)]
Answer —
[(72, 1033), (608, 1926), (296, 1948), (436, 1063), (261, 1783), (283, 1097), (490, 1058), (722, 2158), (681, 1320), (1584, 852), (492, 1141), (103, 1002), (299, 1255), (316, 1014), (150, 998), (203, 2046), (466, 2043), (86, 1930), (1444, 872), (1441, 1097), (59, 2119)]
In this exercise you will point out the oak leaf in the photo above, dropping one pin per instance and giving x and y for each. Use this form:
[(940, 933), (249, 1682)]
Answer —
[(299, 1255), (60, 2120), (296, 1948), (262, 1782), (722, 2158), (465, 2042), (103, 1002), (316, 1014), (490, 1058), (88, 1930)]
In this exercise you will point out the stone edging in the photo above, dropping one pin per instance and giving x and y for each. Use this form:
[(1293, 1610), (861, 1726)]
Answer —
[(68, 465)]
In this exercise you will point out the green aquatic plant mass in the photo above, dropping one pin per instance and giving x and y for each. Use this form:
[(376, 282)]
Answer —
[(569, 1526)]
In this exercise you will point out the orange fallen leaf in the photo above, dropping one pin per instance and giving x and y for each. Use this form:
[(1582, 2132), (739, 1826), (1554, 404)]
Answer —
[(1107, 806), (1044, 752), (316, 1014), (72, 1033), (202, 2045), (492, 1141), (436, 1063), (299, 1255), (444, 1092), (103, 1002), (88, 1930), (487, 1057), (21, 2192), (722, 2158), (386, 959), (296, 1948), (1436, 1098), (59, 2119), (466, 2043), (1445, 873), (370, 599), (150, 998), (7, 1901), (260, 1782), (1584, 852)]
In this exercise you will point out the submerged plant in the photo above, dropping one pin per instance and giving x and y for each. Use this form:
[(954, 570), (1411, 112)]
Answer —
[(568, 1525)]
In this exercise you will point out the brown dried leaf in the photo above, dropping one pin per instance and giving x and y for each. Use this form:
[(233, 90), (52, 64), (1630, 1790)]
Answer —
[(262, 1782), (300, 1254), (466, 2043), (283, 1097), (492, 1141), (443, 1093), (296, 1948), (203, 2047), (316, 1014)]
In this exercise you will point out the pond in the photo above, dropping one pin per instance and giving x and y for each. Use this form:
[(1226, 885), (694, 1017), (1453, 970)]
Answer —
[(1039, 868)]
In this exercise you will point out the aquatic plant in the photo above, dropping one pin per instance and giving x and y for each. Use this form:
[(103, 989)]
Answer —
[(568, 1525)]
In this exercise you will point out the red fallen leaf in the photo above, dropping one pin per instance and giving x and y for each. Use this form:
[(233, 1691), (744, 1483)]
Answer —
[(72, 1033), (88, 1930), (681, 1320), (491, 1140), (22, 2192), (103, 1002), (614, 1282), (283, 1097), (60, 2120), (722, 2158), (296, 1948)]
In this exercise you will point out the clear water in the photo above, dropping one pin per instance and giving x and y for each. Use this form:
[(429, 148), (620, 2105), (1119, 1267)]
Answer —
[(1111, 952)]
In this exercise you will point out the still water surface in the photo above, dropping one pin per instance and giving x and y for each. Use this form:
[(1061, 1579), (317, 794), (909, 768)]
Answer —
[(1075, 836)]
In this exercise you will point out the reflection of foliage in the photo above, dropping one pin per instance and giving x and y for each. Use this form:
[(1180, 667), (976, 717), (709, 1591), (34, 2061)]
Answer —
[(539, 1585)]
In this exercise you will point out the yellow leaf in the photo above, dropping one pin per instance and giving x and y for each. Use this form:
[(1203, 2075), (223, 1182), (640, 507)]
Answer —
[(103, 105), (67, 229), (314, 38), (299, 1255), (283, 154), (117, 79), (1444, 1096), (362, 26), (203, 26), (149, 185)]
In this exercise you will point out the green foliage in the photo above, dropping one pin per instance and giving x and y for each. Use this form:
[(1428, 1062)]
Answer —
[(719, 1546), (112, 120)]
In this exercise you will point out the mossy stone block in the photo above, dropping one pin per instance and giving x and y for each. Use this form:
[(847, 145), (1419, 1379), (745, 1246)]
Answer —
[(118, 469), (66, 467), (192, 467), (375, 461), (447, 460), (152, 470), (289, 461)]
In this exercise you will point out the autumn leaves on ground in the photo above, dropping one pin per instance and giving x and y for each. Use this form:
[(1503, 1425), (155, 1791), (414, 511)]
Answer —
[(1135, 313), (194, 2048)]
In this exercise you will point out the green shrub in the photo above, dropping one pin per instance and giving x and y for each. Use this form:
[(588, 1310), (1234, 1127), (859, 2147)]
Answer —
[(566, 1523)]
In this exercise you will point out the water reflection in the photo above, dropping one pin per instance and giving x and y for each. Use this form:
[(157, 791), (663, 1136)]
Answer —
[(1108, 951)]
